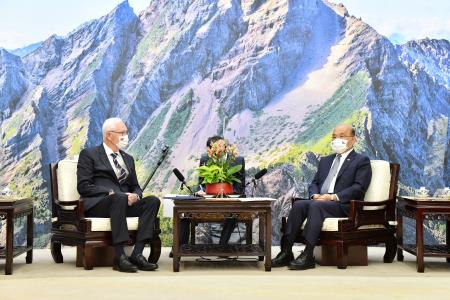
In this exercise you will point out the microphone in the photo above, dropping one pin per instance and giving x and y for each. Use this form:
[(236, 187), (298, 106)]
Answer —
[(181, 179), (260, 174), (257, 176), (179, 175)]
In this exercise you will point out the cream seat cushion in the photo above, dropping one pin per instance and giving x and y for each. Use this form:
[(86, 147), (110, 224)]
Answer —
[(377, 191), (104, 224), (67, 191)]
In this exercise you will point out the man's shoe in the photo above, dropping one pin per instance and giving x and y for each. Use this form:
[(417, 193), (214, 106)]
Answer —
[(283, 259), (142, 264), (122, 264), (303, 262)]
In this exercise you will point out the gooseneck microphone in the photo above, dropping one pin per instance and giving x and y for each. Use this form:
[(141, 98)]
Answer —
[(257, 176), (182, 180), (260, 174)]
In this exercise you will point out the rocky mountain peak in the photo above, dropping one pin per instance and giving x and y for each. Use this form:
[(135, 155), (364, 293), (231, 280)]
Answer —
[(432, 55)]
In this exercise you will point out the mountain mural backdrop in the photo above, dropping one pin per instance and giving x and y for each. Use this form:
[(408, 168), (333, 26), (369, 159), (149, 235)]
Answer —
[(272, 76)]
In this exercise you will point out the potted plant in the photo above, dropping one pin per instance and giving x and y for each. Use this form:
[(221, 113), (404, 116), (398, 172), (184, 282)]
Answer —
[(219, 172)]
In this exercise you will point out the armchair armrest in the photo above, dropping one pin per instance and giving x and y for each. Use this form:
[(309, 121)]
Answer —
[(360, 216), (70, 216), (67, 203)]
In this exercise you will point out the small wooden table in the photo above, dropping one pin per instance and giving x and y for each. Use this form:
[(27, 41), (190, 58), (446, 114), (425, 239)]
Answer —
[(229, 207), (421, 209), (10, 209)]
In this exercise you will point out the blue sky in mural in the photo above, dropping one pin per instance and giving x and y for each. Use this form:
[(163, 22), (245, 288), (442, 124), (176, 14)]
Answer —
[(403, 20), (27, 21)]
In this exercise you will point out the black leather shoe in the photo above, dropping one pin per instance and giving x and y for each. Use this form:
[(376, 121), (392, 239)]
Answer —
[(142, 264), (303, 262), (283, 259), (122, 264)]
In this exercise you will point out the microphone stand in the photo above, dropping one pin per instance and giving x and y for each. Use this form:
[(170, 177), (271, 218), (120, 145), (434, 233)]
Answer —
[(189, 189), (164, 153), (255, 183)]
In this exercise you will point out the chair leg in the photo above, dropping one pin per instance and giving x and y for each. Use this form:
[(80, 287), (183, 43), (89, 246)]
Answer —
[(391, 249), (79, 258), (88, 261), (55, 248), (155, 250), (342, 256)]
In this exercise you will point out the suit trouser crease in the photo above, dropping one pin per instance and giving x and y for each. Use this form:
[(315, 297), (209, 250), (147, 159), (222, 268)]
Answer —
[(316, 212), (116, 208)]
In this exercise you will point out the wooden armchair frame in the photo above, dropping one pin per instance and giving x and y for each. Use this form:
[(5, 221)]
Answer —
[(356, 231), (70, 227)]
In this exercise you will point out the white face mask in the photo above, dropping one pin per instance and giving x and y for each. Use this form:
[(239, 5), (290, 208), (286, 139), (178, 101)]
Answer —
[(339, 146), (123, 142)]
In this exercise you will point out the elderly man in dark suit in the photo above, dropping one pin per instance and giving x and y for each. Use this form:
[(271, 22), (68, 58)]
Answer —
[(108, 183), (340, 178)]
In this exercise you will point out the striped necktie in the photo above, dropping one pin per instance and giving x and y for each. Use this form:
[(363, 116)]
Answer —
[(122, 172), (333, 172)]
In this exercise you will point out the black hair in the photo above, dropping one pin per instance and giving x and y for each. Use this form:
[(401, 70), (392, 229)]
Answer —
[(213, 139)]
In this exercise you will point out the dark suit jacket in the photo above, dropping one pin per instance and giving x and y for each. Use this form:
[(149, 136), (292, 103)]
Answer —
[(352, 181), (96, 177), (238, 187)]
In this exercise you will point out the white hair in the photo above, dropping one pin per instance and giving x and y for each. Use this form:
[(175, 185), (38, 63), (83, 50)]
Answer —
[(109, 125)]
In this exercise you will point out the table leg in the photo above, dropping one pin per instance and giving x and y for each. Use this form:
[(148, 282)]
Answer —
[(176, 241), (9, 241), (399, 237), (419, 241), (447, 238), (262, 226), (268, 240), (29, 257)]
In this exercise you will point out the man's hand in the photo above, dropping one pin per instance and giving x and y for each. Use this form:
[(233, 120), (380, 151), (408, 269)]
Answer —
[(324, 197), (132, 198)]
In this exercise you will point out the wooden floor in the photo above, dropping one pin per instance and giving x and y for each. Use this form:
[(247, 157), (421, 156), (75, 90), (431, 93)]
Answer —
[(225, 280)]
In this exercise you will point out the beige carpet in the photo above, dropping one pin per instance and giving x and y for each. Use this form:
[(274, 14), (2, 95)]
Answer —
[(225, 280)]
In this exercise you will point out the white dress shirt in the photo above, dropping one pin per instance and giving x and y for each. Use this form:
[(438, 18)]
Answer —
[(119, 160)]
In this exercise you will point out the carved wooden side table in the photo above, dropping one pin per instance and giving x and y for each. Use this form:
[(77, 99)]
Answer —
[(10, 209)]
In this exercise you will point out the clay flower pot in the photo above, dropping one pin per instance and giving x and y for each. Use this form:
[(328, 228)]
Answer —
[(222, 188)]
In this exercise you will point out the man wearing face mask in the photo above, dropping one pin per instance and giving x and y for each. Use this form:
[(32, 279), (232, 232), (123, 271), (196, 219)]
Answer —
[(340, 178), (107, 182)]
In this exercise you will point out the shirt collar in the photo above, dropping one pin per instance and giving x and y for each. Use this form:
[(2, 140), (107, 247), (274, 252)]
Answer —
[(345, 154), (108, 150)]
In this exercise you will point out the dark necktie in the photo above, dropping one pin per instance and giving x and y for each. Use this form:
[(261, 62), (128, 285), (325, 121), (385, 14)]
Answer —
[(122, 172), (331, 174)]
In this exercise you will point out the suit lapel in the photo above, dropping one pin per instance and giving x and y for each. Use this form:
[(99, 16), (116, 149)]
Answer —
[(328, 164), (104, 158), (126, 161), (346, 163)]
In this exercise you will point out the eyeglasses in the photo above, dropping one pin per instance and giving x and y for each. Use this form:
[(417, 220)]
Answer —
[(122, 133), (341, 136)]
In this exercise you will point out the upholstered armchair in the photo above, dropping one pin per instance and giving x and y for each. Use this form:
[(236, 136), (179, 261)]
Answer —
[(370, 222), (91, 236)]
